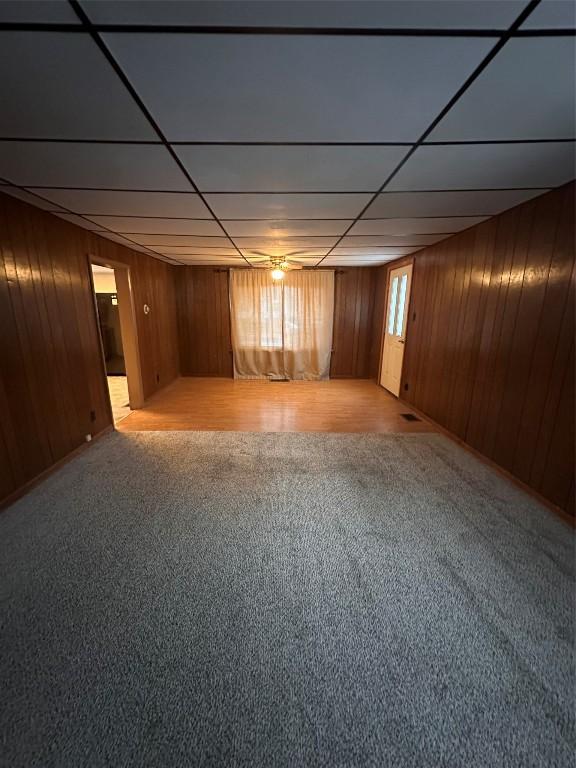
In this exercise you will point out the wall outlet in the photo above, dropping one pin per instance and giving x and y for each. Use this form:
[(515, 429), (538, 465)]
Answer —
[(88, 438)]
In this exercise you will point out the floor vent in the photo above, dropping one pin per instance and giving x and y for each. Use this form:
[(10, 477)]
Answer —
[(278, 379), (410, 417)]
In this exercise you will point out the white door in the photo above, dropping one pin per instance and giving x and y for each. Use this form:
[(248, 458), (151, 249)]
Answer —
[(395, 331)]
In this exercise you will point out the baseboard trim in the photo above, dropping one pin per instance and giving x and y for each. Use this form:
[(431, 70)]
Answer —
[(30, 484), (558, 511)]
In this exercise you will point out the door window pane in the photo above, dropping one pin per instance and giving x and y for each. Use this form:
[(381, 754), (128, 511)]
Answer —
[(401, 302), (392, 311)]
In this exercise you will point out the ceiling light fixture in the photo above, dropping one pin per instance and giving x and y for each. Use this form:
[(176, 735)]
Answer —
[(278, 268)]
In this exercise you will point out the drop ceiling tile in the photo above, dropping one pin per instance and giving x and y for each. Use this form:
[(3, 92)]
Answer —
[(313, 13), (194, 251), (305, 261), (216, 258), (355, 261), (115, 237), (284, 252), (391, 240), (27, 197), (107, 166), (79, 221), (104, 202), (38, 11), (486, 166), (367, 251), (254, 206), (526, 92), (264, 261), (475, 203), (290, 169), (363, 257), (123, 241), (262, 243), (552, 14), (201, 261), (294, 87), (57, 85), (133, 224), (185, 241), (281, 229), (407, 227)]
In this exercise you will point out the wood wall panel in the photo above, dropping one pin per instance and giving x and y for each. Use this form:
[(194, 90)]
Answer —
[(204, 322), (52, 385), (353, 323), (490, 344)]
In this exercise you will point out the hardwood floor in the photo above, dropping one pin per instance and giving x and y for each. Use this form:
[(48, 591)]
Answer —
[(353, 405)]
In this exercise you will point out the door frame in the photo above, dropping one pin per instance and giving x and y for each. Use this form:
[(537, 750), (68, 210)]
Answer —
[(128, 328), (404, 262)]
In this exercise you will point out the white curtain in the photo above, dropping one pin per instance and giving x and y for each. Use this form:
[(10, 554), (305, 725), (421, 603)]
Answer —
[(282, 329)]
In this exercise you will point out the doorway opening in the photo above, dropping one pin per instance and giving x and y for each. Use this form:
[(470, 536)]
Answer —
[(399, 282), (116, 323)]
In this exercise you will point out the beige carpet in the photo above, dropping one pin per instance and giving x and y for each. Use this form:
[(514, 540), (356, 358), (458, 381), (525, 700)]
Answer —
[(177, 599)]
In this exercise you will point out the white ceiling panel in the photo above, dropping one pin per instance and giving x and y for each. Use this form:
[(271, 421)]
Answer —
[(301, 88), (56, 85), (391, 240), (202, 261), (107, 166), (393, 251), (28, 197), (184, 241), (38, 11), (281, 229), (305, 261), (475, 203), (552, 14), (79, 221), (123, 241), (432, 14), (445, 225), (254, 206), (295, 261), (131, 224), (194, 251), (356, 261), (290, 242), (285, 252), (486, 166), (526, 92), (105, 202), (289, 168), (113, 236)]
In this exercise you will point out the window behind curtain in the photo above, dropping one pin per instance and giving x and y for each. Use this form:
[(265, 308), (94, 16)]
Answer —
[(282, 329)]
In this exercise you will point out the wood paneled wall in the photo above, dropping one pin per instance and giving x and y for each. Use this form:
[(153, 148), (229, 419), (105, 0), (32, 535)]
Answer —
[(52, 384), (490, 344), (353, 323), (204, 322)]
